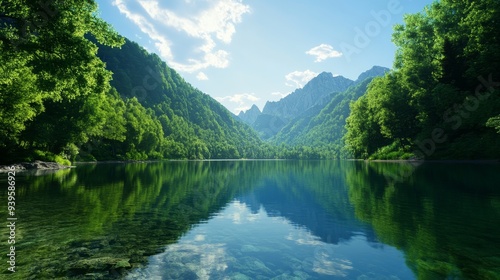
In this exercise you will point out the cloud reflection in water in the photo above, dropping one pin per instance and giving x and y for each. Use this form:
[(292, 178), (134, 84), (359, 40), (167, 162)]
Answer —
[(239, 243)]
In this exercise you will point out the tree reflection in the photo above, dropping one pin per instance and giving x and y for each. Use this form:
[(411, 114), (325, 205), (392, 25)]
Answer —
[(440, 215), (120, 211)]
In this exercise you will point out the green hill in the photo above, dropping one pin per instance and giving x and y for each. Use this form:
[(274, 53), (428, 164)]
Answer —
[(74, 89), (193, 124)]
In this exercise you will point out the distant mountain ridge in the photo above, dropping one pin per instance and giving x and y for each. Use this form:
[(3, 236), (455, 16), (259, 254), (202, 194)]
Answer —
[(303, 102), (375, 71), (250, 115), (303, 98), (323, 126)]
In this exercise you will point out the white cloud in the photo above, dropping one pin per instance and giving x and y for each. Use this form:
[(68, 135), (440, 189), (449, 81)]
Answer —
[(298, 79), (242, 101), (323, 52), (238, 98), (199, 238), (237, 110), (279, 94), (202, 76), (239, 213), (215, 24), (163, 45), (207, 260), (303, 238)]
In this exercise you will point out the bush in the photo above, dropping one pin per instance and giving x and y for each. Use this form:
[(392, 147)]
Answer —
[(59, 159), (47, 156), (391, 152)]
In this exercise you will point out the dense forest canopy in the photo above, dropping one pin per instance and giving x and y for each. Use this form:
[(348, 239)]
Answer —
[(71, 88), (51, 82), (442, 98)]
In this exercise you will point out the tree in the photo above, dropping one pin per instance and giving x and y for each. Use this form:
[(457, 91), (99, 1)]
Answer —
[(442, 87), (363, 135), (50, 67), (388, 100)]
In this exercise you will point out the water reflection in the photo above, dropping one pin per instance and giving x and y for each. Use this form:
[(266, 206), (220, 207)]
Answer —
[(443, 215), (98, 220), (239, 243), (259, 220), (295, 222)]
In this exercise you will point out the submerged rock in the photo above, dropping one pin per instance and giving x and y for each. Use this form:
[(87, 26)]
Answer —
[(254, 266), (82, 252), (287, 276), (122, 264), (240, 276), (249, 248), (301, 274), (107, 264)]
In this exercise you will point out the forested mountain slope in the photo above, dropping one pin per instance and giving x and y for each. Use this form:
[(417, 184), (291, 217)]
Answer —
[(321, 129), (194, 125), (71, 88), (322, 126)]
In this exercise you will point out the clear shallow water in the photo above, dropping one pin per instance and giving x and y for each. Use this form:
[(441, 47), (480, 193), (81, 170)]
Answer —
[(259, 220), (241, 244)]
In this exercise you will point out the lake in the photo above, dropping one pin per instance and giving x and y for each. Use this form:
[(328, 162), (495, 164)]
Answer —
[(257, 220)]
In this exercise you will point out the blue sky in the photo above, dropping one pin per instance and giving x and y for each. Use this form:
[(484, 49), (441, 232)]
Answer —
[(244, 52)]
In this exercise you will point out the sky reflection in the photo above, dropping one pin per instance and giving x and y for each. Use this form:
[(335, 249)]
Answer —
[(240, 244)]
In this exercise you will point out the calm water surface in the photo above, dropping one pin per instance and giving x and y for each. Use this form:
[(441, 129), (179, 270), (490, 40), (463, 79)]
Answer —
[(257, 220)]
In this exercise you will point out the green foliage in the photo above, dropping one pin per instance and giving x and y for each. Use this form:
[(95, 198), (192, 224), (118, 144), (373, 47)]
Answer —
[(361, 135), (58, 96), (391, 152), (51, 80), (47, 156), (494, 122), (441, 99), (66, 90), (168, 118)]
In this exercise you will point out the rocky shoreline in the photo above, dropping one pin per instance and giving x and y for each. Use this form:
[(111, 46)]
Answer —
[(36, 165)]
